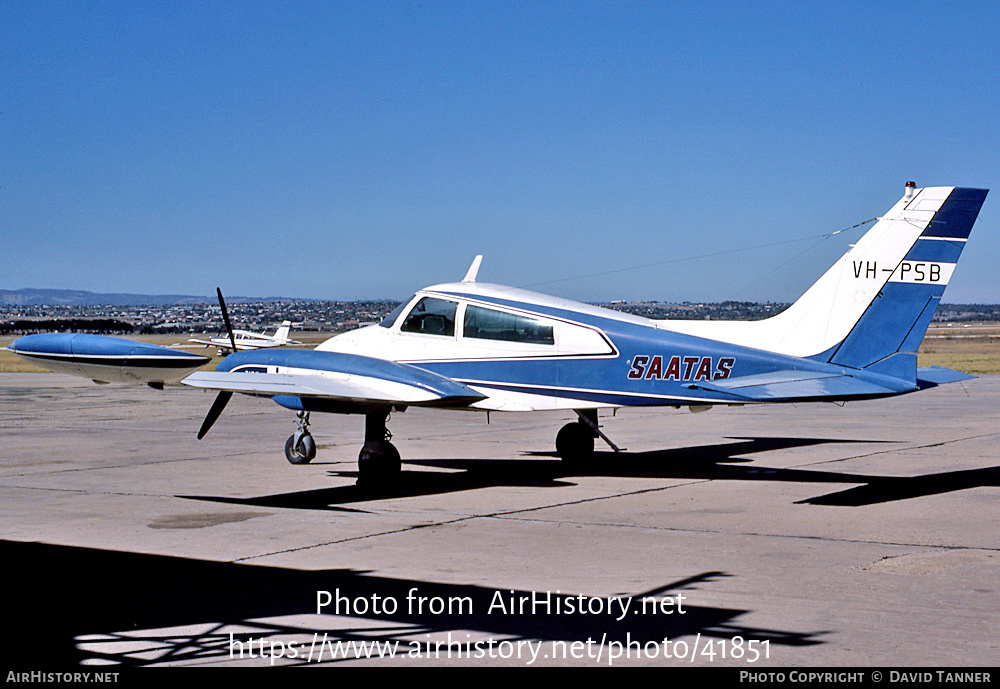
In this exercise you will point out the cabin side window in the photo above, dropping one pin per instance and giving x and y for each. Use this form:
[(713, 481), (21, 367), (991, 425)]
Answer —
[(431, 317), (487, 324)]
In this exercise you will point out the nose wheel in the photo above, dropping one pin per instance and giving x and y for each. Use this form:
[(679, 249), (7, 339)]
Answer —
[(300, 448)]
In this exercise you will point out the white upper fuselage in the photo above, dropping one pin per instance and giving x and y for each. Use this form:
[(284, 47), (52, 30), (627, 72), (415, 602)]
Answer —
[(570, 338)]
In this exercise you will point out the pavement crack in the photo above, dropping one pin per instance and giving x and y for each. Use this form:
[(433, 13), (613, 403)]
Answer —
[(899, 449), (490, 515)]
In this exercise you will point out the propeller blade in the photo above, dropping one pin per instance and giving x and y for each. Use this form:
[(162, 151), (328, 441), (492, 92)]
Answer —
[(225, 318), (213, 414)]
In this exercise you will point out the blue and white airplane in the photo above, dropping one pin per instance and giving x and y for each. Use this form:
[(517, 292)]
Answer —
[(468, 345)]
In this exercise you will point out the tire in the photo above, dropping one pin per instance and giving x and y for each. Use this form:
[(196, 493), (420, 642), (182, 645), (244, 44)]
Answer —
[(575, 443), (304, 453), (379, 464)]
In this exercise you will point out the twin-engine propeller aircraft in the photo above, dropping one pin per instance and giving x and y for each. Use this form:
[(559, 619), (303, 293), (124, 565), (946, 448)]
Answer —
[(467, 345), (244, 339)]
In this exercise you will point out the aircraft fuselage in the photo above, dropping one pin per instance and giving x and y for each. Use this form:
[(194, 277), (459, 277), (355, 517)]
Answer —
[(595, 357)]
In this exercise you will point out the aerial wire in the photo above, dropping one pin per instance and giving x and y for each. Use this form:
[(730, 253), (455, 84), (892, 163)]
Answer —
[(822, 237)]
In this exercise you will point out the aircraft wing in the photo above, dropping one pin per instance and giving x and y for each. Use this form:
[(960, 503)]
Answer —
[(334, 376), (260, 343), (792, 385), (208, 343)]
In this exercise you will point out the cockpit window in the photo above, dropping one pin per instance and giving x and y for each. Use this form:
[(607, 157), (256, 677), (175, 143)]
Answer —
[(431, 317), (488, 324), (388, 321)]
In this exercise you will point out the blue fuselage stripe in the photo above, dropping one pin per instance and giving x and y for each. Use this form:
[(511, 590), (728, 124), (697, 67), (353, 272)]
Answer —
[(655, 365)]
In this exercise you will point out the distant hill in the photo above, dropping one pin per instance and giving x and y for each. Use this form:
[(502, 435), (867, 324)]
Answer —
[(70, 297)]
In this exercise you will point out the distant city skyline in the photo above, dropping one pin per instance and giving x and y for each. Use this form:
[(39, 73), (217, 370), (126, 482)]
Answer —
[(364, 151), (87, 300)]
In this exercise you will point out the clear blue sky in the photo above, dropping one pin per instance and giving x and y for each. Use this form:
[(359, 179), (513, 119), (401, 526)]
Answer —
[(342, 150)]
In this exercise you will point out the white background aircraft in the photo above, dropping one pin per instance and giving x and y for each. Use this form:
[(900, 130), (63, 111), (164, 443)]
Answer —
[(244, 339)]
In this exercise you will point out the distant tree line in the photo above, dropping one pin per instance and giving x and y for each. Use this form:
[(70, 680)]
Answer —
[(328, 315), (100, 326), (967, 312), (727, 310)]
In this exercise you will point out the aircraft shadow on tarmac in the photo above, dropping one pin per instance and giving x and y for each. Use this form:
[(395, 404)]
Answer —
[(132, 609), (723, 462)]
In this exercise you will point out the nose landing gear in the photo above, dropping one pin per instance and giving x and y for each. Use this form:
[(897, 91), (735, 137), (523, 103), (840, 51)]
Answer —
[(300, 448)]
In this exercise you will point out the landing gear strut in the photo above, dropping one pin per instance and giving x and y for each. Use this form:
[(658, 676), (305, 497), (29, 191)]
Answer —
[(300, 448), (379, 463), (575, 441)]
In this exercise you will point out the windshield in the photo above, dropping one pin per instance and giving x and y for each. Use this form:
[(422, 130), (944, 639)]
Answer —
[(388, 321), (431, 317)]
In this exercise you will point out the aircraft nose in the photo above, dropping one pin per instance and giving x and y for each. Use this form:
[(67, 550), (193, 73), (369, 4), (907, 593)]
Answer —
[(45, 343), (17, 344)]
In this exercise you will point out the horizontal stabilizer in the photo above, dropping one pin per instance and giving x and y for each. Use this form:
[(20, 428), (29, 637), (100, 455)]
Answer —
[(939, 375), (790, 385)]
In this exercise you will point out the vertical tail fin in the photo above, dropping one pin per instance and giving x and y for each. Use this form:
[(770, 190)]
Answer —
[(886, 336), (872, 307), (281, 334)]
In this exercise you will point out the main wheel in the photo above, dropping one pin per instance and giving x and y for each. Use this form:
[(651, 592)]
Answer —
[(303, 453), (378, 464), (575, 443)]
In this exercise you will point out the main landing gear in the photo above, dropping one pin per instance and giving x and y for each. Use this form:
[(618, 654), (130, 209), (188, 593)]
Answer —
[(379, 463), (575, 441)]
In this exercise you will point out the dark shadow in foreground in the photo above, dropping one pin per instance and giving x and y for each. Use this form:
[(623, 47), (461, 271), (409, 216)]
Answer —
[(81, 605)]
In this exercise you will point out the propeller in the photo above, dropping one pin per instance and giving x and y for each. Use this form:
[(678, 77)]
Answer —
[(213, 414), (225, 318), (223, 398)]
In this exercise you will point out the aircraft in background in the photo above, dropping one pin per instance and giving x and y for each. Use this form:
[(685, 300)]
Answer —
[(853, 335), (244, 339)]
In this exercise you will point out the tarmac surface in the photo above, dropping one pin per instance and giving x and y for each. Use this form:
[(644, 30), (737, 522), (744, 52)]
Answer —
[(786, 535)]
